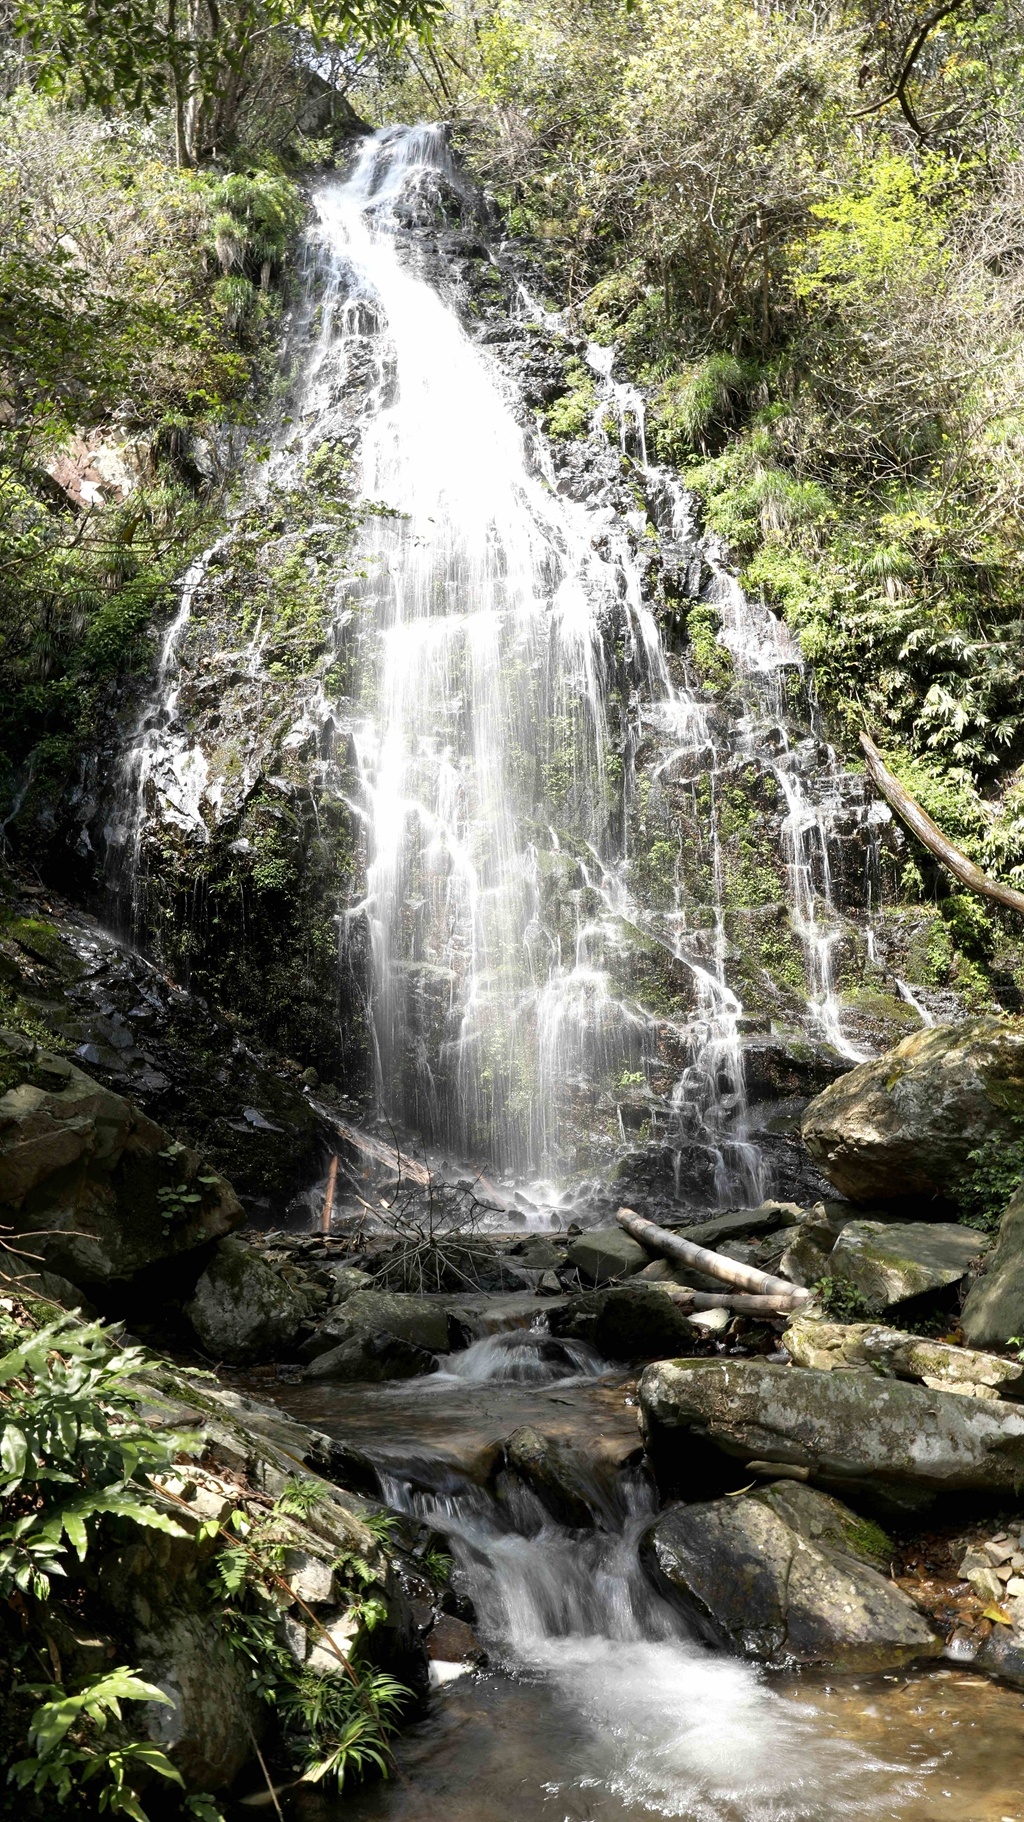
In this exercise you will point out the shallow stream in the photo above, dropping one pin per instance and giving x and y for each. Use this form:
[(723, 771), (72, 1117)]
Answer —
[(596, 1704)]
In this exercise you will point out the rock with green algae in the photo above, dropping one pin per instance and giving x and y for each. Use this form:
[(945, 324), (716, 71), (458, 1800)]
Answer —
[(787, 1575), (830, 1345), (905, 1124), (889, 1262), (899, 1444), (605, 1253)]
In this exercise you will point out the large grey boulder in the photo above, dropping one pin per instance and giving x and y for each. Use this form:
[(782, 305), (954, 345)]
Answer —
[(904, 1124), (606, 1253), (626, 1322), (994, 1311), (93, 1185), (562, 1480), (888, 1264), (242, 1309), (373, 1357), (839, 1345), (899, 1442), (787, 1575)]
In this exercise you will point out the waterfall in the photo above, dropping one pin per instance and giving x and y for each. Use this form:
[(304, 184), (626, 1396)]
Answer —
[(550, 978), (489, 601)]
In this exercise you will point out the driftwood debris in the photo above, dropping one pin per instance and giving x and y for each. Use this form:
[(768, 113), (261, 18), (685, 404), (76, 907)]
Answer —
[(746, 1278), (385, 1157), (737, 1301), (328, 1208), (920, 824)]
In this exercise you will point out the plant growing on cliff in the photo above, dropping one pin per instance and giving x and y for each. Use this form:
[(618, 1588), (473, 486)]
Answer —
[(997, 1172)]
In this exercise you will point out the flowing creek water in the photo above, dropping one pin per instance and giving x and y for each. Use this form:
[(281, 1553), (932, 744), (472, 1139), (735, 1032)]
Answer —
[(596, 1703)]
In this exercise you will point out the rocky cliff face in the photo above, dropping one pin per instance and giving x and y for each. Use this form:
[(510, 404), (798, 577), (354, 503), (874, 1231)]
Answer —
[(742, 915)]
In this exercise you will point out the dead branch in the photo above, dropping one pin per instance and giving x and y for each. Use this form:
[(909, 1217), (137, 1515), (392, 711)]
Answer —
[(920, 824), (716, 1265)]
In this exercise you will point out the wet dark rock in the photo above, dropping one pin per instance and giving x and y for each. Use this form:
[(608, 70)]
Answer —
[(634, 1322), (423, 1321), (896, 1443), (93, 1181), (242, 1309), (372, 1357), (452, 1641), (787, 1575), (561, 1479), (994, 1311), (604, 1254), (905, 1124)]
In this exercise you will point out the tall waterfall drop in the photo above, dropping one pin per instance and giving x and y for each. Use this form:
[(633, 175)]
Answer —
[(503, 615)]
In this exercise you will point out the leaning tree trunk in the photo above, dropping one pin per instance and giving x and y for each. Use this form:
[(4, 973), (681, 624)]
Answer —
[(921, 825)]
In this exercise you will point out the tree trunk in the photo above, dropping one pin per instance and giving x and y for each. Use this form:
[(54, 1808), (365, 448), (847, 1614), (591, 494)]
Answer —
[(920, 824), (701, 1259)]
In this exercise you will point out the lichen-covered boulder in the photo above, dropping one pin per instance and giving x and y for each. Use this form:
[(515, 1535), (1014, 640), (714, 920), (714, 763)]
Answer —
[(888, 1263), (787, 1575), (242, 1309), (904, 1124), (99, 1189), (993, 1314), (828, 1345), (899, 1442)]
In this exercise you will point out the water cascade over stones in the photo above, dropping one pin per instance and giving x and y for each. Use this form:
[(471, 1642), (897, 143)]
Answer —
[(590, 880)]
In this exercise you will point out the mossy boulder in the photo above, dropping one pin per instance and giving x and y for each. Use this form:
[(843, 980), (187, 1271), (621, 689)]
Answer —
[(787, 1575), (993, 1314), (905, 1125), (890, 1262)]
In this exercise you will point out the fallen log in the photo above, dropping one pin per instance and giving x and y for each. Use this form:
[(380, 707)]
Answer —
[(715, 1265), (387, 1157), (738, 1301), (920, 824)]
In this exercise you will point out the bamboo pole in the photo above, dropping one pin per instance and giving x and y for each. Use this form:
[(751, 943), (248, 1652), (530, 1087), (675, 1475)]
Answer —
[(737, 1301), (332, 1178), (716, 1265), (920, 824)]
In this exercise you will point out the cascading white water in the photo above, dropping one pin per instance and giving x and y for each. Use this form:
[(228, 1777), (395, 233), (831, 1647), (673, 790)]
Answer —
[(486, 685)]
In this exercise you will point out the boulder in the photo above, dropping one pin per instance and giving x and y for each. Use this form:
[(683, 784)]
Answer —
[(242, 1309), (98, 1189), (743, 1223), (899, 1443), (559, 1477), (373, 1357), (994, 1311), (606, 1253), (787, 1575), (346, 1280), (423, 1321), (627, 1322), (888, 1264), (904, 1124), (826, 1345)]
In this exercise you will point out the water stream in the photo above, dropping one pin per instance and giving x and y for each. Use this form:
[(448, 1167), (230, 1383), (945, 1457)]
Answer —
[(596, 1703)]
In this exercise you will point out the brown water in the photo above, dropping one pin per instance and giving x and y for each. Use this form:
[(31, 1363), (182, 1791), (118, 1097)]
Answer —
[(596, 1705)]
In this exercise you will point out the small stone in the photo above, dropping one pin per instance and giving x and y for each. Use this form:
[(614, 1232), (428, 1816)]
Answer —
[(998, 1550), (711, 1321), (452, 1642), (973, 1559), (309, 1577), (1015, 1586), (986, 1583)]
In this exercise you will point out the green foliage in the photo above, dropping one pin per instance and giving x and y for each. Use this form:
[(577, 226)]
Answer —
[(711, 660), (570, 415), (74, 1454), (843, 1301), (996, 1173), (70, 1756)]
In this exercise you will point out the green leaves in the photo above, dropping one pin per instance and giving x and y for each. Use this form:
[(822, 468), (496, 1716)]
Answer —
[(65, 1733)]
